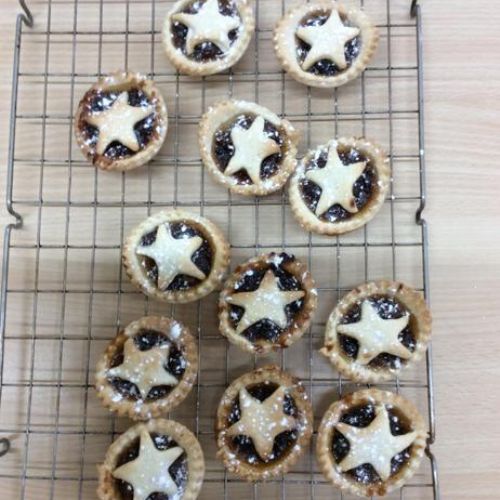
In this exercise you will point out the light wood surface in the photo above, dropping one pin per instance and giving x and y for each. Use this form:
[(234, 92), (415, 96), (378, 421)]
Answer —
[(462, 83)]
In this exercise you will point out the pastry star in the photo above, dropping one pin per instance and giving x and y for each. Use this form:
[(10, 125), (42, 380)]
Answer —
[(327, 41), (336, 181), (376, 335), (117, 123), (374, 444), (267, 302), (207, 25), (172, 256), (148, 473), (251, 147), (262, 420)]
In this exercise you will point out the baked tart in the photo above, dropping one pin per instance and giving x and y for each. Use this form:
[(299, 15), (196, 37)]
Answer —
[(370, 442), (121, 121), (263, 425), (247, 148), (176, 256)]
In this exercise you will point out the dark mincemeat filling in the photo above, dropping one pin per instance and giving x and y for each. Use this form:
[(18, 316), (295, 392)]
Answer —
[(145, 340), (178, 470), (243, 445), (205, 51), (387, 308), (203, 257), (363, 188), (362, 416), (145, 130), (223, 148), (266, 330), (326, 67)]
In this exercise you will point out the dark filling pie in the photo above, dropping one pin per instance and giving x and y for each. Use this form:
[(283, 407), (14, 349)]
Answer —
[(205, 51), (326, 67), (387, 308), (178, 470), (203, 257), (243, 445), (362, 416), (266, 330), (223, 148), (363, 188), (146, 340), (95, 101)]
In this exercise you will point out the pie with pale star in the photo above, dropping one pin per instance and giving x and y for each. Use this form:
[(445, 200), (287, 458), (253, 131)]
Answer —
[(325, 44), (176, 256), (247, 148), (148, 369), (204, 37), (158, 459), (121, 121), (264, 422), (370, 442), (340, 186), (267, 303), (377, 330)]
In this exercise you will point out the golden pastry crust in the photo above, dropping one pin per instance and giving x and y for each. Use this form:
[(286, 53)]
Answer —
[(133, 262), (189, 66), (223, 113), (420, 324), (140, 409), (122, 81), (300, 323), (283, 464), (285, 43), (332, 417), (106, 489), (310, 221)]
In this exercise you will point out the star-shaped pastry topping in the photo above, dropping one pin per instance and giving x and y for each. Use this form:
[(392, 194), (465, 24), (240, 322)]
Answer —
[(117, 123), (376, 335), (208, 25), (336, 181), (267, 302), (145, 369), (262, 420), (148, 473), (327, 41), (251, 147), (374, 444), (173, 256)]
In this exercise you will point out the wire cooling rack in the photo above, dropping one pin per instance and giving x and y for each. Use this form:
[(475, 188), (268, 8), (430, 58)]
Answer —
[(64, 294)]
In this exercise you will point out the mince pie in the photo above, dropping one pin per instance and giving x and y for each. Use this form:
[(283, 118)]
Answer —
[(370, 442), (159, 459), (339, 186), (267, 303), (325, 44), (376, 330), (203, 37), (147, 369), (176, 256), (247, 148), (121, 121), (264, 422)]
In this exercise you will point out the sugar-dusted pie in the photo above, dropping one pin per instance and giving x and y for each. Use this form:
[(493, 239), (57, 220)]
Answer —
[(267, 303), (325, 44), (264, 423), (176, 256), (370, 442), (158, 459), (121, 121), (339, 186), (203, 37), (247, 147)]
